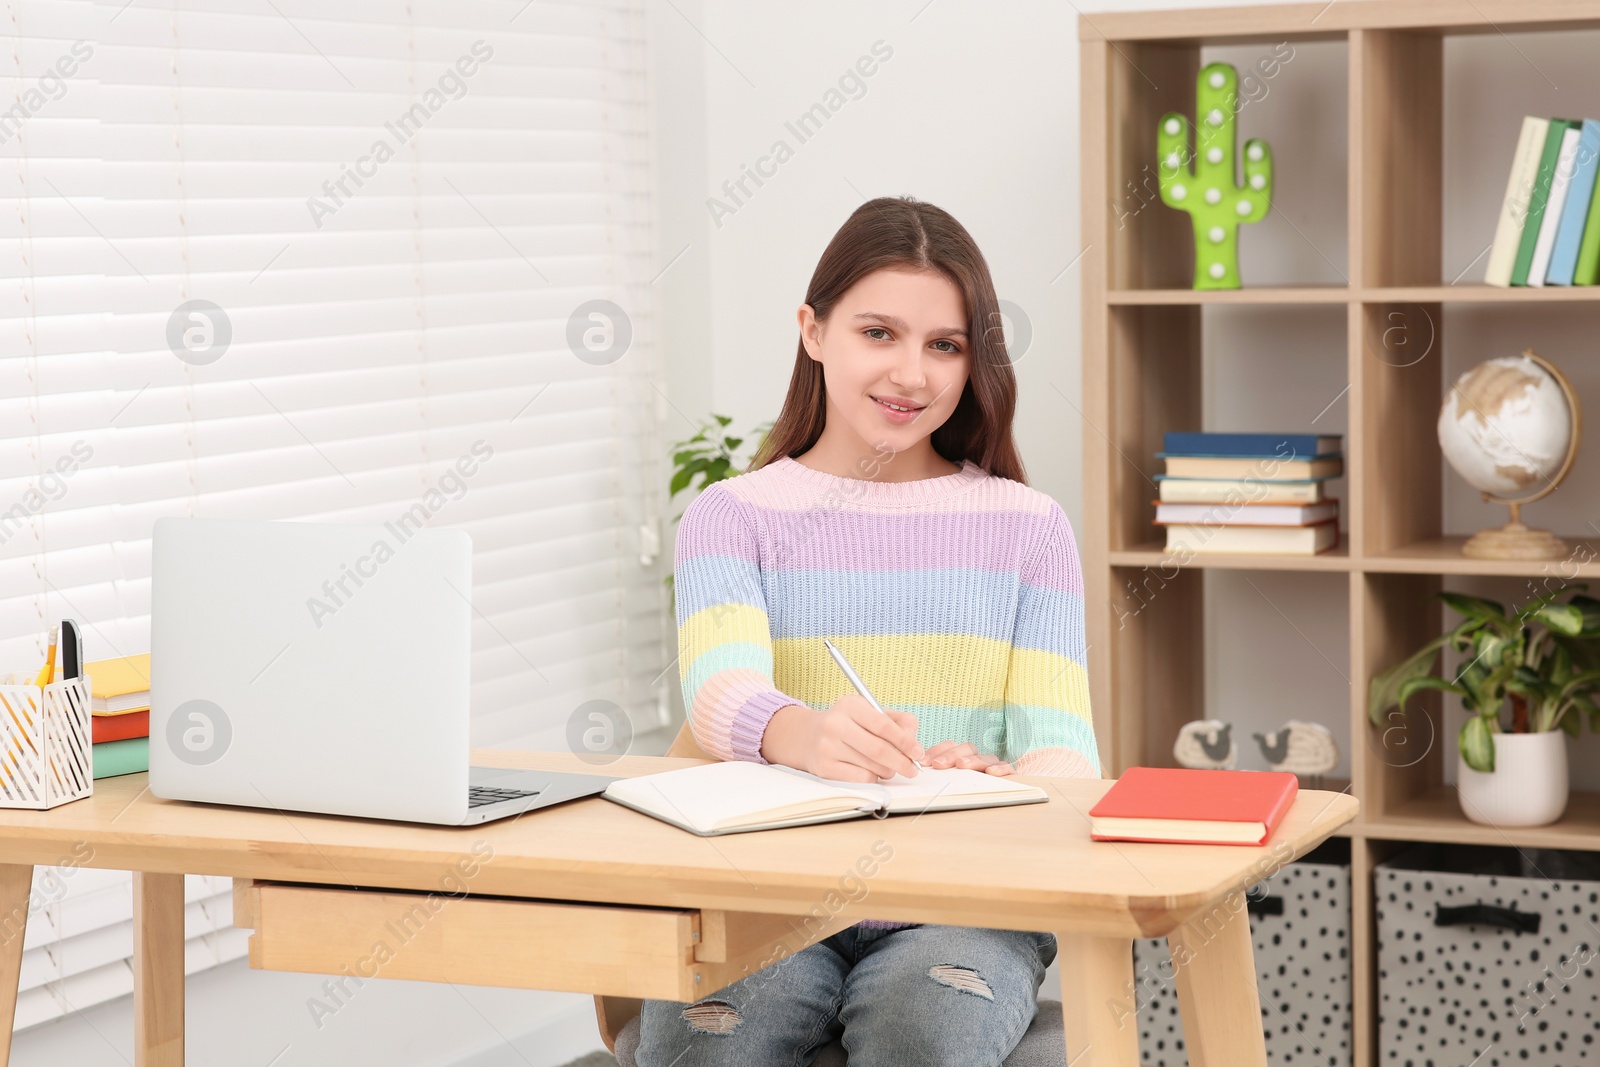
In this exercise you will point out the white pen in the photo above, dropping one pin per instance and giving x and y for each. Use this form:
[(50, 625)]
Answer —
[(855, 680)]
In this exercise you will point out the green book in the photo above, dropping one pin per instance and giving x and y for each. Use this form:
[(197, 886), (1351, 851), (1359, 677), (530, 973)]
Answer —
[(111, 758), (1541, 195), (1588, 269)]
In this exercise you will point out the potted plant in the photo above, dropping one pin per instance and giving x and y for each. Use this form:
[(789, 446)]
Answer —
[(1542, 662), (708, 455)]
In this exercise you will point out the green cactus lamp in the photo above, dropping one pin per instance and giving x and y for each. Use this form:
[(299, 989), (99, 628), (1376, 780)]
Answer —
[(1203, 181)]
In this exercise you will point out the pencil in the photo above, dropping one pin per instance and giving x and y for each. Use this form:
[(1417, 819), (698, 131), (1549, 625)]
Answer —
[(48, 671)]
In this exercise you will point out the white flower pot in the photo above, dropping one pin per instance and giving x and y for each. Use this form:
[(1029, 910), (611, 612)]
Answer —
[(1528, 786)]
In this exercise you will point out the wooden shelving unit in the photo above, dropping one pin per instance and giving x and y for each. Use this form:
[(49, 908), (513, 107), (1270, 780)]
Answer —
[(1143, 375)]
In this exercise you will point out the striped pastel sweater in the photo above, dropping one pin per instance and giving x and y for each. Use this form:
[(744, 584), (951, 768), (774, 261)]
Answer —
[(958, 598)]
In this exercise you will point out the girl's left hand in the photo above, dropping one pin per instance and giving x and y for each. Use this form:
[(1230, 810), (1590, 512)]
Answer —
[(964, 754)]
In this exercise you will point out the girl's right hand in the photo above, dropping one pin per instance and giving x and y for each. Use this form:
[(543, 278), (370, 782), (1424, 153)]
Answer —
[(852, 742)]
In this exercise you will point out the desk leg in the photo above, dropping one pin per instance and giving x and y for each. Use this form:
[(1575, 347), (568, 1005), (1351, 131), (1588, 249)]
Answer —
[(16, 881), (157, 970), (1097, 1000), (1217, 996)]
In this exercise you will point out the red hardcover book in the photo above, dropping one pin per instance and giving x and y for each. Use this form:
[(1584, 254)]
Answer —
[(1178, 805), (120, 727)]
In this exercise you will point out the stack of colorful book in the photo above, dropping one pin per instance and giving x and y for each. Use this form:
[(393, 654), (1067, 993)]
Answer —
[(119, 691), (1549, 230), (1249, 492)]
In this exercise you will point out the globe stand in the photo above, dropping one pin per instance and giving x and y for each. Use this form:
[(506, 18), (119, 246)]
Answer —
[(1514, 540)]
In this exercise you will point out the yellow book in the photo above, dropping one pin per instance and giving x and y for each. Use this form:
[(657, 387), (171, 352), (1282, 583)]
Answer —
[(119, 686)]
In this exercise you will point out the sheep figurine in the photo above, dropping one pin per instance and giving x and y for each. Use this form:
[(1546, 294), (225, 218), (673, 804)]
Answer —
[(1205, 744), (1306, 748)]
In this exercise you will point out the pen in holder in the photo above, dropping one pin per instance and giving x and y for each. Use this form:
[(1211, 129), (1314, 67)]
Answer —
[(45, 757)]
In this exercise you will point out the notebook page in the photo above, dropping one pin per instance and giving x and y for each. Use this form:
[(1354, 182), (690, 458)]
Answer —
[(947, 785), (950, 785), (735, 793)]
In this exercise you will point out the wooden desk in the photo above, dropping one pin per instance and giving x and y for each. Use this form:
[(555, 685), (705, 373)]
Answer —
[(593, 897)]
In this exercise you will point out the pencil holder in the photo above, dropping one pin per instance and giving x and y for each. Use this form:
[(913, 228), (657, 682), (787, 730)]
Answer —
[(45, 757)]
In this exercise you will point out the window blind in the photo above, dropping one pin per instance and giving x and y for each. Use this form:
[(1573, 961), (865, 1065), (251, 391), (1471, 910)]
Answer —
[(79, 938), (344, 261)]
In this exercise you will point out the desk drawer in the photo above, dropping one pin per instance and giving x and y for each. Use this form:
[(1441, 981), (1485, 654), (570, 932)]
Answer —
[(611, 950)]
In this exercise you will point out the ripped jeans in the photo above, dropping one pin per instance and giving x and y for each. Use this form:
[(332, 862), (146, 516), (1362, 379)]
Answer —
[(924, 995)]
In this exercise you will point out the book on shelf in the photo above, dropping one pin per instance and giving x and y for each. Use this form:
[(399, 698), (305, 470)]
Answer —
[(1587, 269), (1183, 805), (1560, 182), (737, 796), (1548, 231), (1189, 466), (1284, 445), (1555, 132), (1514, 207), (1251, 493), (1247, 514), (1227, 490), (1204, 539), (1575, 208)]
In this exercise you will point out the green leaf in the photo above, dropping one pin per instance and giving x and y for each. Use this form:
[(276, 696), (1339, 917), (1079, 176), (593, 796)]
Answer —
[(724, 419), (1472, 607), (1585, 703), (1591, 614), (1558, 667), (680, 481), (1562, 618), (1477, 744), (1578, 683), (1489, 648), (1570, 724), (1383, 691), (717, 470), (733, 442), (1493, 688), (1532, 607), (1585, 652), (1412, 686), (1526, 680)]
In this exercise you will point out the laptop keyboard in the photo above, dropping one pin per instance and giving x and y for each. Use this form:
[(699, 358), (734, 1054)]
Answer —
[(479, 795)]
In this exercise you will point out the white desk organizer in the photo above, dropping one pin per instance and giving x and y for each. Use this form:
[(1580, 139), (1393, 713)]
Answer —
[(45, 757)]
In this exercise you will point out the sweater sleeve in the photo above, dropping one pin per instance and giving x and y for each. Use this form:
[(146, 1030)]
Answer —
[(724, 640), (1048, 727)]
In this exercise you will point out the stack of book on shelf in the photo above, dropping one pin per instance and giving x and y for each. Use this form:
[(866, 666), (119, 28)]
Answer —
[(1249, 492), (1549, 230), (119, 692)]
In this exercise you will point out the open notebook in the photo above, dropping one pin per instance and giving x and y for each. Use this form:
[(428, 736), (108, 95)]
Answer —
[(736, 796)]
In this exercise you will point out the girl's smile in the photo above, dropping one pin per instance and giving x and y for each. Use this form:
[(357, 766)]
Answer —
[(898, 410)]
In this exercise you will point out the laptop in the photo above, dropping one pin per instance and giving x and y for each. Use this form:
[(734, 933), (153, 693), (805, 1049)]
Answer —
[(323, 668)]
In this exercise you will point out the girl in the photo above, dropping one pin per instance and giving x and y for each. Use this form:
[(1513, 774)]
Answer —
[(887, 510)]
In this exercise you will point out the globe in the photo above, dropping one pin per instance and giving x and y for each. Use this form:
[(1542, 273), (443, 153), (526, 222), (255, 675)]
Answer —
[(1509, 427)]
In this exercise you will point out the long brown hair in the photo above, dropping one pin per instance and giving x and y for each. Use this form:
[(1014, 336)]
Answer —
[(905, 233)]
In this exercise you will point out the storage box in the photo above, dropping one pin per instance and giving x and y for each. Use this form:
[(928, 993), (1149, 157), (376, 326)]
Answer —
[(44, 742), (1300, 924), (1486, 956)]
